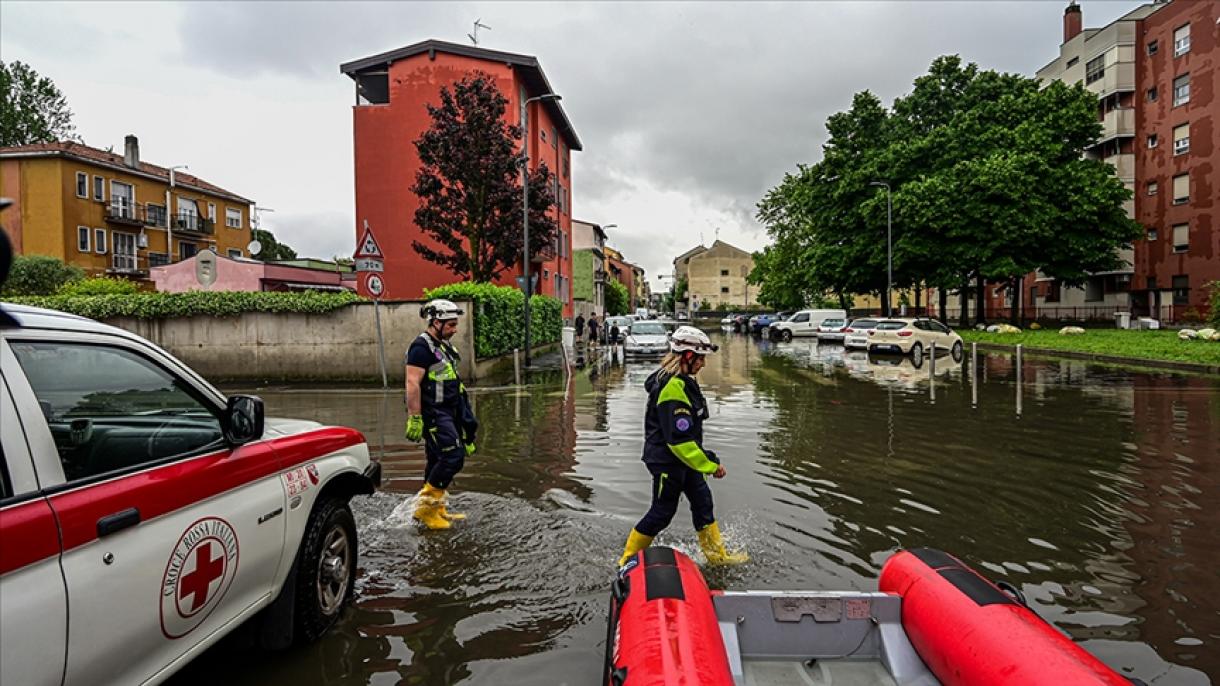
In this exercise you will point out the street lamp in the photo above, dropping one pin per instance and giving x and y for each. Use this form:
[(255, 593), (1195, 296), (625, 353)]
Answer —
[(169, 214), (889, 250), (525, 209)]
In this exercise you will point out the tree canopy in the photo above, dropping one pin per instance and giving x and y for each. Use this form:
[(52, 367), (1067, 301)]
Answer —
[(469, 185), (271, 248), (32, 109)]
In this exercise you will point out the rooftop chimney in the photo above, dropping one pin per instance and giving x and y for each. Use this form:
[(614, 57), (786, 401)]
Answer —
[(131, 151), (1073, 21)]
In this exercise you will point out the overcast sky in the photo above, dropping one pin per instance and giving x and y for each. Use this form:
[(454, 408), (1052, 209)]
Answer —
[(688, 111)]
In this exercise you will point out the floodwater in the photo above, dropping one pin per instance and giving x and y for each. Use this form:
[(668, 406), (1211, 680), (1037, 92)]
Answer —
[(1100, 501)]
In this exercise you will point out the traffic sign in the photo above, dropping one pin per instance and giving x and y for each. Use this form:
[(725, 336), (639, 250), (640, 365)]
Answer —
[(374, 285), (367, 264), (368, 245)]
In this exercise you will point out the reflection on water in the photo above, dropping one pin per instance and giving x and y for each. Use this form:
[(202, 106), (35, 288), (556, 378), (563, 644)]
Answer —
[(1099, 501)]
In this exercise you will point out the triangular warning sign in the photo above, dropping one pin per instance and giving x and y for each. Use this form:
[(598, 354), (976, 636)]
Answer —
[(367, 247)]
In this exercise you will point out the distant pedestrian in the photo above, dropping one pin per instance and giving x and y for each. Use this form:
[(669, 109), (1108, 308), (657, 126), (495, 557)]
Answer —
[(593, 328), (580, 326), (614, 334)]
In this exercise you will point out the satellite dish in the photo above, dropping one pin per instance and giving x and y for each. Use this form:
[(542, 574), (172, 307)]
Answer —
[(254, 248)]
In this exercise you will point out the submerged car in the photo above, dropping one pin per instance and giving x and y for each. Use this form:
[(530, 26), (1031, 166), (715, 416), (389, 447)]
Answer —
[(832, 330), (855, 335), (914, 337), (649, 338)]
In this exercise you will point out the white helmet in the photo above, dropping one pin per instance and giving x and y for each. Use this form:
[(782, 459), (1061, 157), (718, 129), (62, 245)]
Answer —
[(688, 338), (440, 309)]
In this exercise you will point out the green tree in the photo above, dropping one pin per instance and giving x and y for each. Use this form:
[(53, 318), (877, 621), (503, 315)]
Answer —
[(469, 185), (616, 298), (271, 248), (32, 108), (38, 275)]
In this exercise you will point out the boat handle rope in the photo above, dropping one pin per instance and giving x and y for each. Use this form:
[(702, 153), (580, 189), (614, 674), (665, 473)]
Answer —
[(1012, 591)]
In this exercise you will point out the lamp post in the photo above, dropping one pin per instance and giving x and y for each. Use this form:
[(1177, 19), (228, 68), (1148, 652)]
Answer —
[(525, 209), (169, 215), (889, 250)]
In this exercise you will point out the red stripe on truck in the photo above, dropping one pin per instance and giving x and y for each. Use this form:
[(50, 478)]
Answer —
[(27, 534)]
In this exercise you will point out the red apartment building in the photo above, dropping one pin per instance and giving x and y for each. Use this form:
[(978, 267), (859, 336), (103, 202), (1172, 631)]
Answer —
[(392, 91)]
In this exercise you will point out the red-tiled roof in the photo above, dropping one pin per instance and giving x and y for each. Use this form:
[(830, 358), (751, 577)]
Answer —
[(115, 160)]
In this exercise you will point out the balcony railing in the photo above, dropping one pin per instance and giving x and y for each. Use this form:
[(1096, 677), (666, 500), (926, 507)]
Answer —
[(1118, 123), (122, 210), (194, 224), (127, 263)]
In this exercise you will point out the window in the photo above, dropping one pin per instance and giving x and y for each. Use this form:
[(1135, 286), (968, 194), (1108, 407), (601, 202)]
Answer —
[(1181, 90), (542, 134), (1181, 40), (232, 218), (1152, 140), (110, 409), (99, 241), (158, 259), (1152, 188), (234, 253), (156, 214), (1181, 289), (99, 188), (212, 211), (724, 289), (1152, 234), (1095, 69), (1053, 292), (1152, 47), (187, 250), (1181, 237), (1181, 139), (122, 199), (554, 137), (82, 238), (82, 185), (1093, 290), (724, 272), (1181, 189), (800, 317), (1072, 62), (1152, 94)]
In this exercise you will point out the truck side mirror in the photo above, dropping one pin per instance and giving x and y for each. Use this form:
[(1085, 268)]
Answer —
[(243, 419)]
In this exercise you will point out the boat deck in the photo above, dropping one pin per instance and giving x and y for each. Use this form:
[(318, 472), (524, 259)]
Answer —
[(815, 673)]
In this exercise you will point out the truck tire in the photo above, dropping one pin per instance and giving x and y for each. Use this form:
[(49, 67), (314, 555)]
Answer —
[(326, 569)]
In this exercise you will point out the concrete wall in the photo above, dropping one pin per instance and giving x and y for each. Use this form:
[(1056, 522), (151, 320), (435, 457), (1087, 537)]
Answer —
[(337, 346)]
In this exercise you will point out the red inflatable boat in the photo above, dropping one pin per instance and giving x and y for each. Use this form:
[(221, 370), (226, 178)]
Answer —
[(934, 621)]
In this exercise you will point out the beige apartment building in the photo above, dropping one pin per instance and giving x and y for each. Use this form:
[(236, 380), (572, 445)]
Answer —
[(716, 275)]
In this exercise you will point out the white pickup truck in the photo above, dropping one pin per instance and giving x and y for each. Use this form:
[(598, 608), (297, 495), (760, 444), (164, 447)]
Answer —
[(144, 515)]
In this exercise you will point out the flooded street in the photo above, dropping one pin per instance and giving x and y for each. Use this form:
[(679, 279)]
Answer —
[(1099, 501)]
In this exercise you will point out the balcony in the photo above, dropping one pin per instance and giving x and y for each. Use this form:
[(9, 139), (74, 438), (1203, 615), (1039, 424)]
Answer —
[(123, 211), (545, 254), (127, 264), (193, 223), (1118, 124), (1127, 255), (1118, 78), (1124, 165)]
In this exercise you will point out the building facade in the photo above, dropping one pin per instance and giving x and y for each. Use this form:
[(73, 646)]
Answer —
[(244, 274), (622, 271), (588, 268), (107, 213), (717, 275), (1154, 74), (393, 90)]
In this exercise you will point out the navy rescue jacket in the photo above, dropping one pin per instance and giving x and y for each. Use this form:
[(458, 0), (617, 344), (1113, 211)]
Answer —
[(441, 389), (673, 423)]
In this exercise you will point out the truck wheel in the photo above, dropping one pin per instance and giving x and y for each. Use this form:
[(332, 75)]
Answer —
[(326, 575), (786, 335)]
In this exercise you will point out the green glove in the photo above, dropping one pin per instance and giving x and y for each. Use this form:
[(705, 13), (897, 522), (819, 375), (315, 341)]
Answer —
[(415, 428), (470, 449)]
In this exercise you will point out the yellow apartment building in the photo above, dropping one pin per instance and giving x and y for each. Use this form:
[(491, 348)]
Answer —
[(115, 214)]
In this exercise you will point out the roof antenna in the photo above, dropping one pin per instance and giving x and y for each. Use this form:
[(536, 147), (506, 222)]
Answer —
[(474, 35)]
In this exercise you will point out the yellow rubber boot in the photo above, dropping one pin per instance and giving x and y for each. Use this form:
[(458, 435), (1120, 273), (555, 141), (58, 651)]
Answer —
[(636, 542), (713, 547), (451, 516), (429, 505)]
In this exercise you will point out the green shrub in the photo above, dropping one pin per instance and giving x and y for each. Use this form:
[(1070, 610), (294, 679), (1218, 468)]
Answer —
[(38, 275), (498, 314), (192, 303), (1214, 317), (99, 285)]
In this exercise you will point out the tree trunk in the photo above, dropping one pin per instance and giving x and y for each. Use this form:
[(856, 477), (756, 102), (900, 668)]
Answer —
[(964, 293), (918, 296), (942, 304), (1016, 285), (885, 304), (980, 300), (843, 301)]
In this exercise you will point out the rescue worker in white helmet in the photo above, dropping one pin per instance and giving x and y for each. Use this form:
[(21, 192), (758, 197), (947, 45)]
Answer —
[(438, 411), (674, 452)]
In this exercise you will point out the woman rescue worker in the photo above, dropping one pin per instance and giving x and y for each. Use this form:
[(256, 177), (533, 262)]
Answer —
[(674, 452)]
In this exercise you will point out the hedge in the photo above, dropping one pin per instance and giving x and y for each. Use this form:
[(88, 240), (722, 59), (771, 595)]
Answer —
[(99, 285), (211, 303), (38, 275), (498, 314)]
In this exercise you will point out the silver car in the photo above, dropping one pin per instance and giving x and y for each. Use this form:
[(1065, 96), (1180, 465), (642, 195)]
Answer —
[(831, 330), (856, 333), (649, 338)]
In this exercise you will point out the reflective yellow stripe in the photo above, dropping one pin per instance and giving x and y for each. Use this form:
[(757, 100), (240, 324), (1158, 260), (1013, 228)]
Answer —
[(675, 389), (693, 456)]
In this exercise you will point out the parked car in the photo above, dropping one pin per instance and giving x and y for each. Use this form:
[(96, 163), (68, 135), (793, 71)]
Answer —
[(741, 323), (832, 330), (805, 323), (856, 333), (132, 485), (914, 337), (650, 338)]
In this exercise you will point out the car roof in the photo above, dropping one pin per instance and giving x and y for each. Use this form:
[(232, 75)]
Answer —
[(39, 318)]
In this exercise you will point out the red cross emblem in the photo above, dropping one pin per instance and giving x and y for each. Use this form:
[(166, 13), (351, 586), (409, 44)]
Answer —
[(207, 570)]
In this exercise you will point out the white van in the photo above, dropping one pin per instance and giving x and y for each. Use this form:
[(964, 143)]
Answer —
[(641, 314), (804, 323)]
